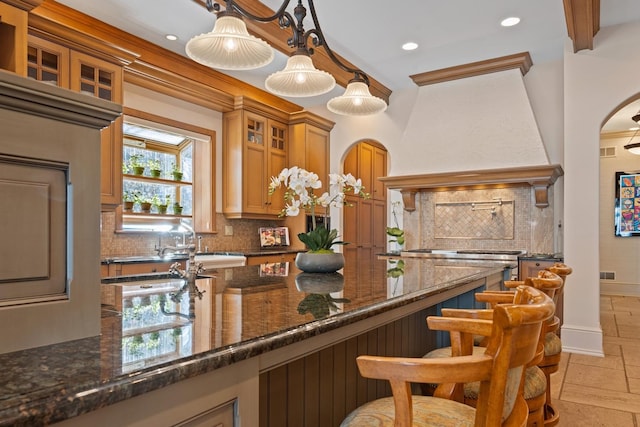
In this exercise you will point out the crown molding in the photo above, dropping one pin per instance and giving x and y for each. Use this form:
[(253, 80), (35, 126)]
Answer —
[(521, 60)]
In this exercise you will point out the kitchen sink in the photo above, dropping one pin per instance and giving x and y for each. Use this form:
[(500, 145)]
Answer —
[(222, 260)]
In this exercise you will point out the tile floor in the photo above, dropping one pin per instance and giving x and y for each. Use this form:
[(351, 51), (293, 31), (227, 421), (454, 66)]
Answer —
[(604, 391)]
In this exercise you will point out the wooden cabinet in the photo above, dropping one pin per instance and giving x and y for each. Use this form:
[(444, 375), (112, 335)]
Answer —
[(56, 64), (529, 266), (267, 259), (309, 148), (254, 149), (309, 145), (204, 195), (13, 38)]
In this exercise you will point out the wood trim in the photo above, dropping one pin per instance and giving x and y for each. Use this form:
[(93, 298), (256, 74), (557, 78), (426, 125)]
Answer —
[(583, 22), (310, 118), (51, 15), (174, 85), (277, 38), (246, 103), (520, 60), (23, 4), (77, 40), (539, 177)]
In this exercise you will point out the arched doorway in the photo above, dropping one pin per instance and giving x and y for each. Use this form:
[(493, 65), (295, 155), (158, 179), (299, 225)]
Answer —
[(364, 223)]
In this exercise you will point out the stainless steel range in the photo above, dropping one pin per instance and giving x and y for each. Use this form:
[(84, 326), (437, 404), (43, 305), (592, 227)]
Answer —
[(469, 254), (504, 257)]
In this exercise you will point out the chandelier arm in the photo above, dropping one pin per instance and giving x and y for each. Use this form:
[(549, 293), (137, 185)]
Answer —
[(359, 75), (231, 6)]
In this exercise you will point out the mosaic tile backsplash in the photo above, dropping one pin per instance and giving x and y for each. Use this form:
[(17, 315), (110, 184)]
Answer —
[(445, 220), (245, 237), (480, 219)]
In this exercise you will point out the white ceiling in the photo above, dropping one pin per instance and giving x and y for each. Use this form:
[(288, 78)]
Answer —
[(369, 33)]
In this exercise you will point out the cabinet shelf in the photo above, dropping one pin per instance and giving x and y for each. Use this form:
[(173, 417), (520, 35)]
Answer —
[(155, 180)]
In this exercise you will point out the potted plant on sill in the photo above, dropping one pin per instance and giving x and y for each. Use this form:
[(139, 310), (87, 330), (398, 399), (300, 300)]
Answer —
[(177, 209), (128, 201), (154, 168), (176, 172), (299, 194), (143, 202), (135, 164), (161, 206)]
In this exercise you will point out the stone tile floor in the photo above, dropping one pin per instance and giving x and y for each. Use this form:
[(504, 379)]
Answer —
[(593, 391)]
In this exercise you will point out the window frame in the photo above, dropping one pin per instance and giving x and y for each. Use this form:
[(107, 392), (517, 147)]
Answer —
[(198, 135)]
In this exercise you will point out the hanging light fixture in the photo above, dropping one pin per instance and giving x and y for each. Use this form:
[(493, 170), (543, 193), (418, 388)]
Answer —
[(357, 100), (634, 148), (229, 46)]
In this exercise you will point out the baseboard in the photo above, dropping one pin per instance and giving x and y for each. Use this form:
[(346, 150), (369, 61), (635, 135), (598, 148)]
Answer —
[(582, 341), (619, 288)]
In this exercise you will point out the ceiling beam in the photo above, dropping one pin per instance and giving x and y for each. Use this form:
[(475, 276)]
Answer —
[(277, 38), (583, 22)]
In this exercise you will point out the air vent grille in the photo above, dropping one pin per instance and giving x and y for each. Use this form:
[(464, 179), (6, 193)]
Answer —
[(607, 275), (607, 151)]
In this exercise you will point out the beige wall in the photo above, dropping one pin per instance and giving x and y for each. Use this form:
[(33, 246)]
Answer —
[(620, 255)]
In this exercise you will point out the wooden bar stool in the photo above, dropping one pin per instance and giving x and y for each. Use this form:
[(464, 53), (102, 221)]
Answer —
[(550, 363), (513, 331), (535, 385)]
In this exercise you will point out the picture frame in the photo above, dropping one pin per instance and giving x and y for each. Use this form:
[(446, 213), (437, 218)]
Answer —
[(627, 204), (276, 269), (274, 237)]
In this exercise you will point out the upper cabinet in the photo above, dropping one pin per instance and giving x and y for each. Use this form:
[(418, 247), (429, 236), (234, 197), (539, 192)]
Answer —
[(258, 143), (13, 38), (59, 65), (255, 148)]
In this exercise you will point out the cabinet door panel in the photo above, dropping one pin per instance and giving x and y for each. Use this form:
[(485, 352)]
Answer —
[(255, 179)]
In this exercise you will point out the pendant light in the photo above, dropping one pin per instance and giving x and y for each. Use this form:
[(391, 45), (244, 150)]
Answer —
[(356, 101), (300, 78), (635, 147), (229, 46)]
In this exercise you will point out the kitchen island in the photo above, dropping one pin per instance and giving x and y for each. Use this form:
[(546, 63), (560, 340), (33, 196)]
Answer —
[(267, 345)]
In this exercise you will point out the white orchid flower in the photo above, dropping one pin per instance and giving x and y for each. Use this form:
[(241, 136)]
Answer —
[(294, 208)]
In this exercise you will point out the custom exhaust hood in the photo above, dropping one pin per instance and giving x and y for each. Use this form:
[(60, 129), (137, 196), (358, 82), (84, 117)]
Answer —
[(475, 120)]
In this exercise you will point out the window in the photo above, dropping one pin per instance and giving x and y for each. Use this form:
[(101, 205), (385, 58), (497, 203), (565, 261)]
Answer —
[(158, 175)]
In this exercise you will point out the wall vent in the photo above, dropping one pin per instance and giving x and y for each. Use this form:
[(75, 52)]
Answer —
[(607, 151), (607, 275)]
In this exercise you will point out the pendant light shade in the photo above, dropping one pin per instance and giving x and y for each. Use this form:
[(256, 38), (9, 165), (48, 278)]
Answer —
[(633, 148), (356, 101), (299, 79), (229, 46)]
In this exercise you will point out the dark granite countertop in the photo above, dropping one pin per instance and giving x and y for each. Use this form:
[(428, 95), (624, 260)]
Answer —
[(130, 259), (148, 338)]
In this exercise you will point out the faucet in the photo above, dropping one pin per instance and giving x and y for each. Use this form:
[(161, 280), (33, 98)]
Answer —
[(191, 272)]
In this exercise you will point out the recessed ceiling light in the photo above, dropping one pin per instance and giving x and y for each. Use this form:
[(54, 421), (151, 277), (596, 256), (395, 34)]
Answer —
[(410, 46), (171, 37), (510, 22)]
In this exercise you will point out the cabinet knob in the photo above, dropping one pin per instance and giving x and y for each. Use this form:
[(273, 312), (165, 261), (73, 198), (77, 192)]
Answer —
[(537, 264)]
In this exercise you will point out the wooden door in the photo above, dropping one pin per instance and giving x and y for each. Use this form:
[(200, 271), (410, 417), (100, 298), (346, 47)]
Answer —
[(365, 224)]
